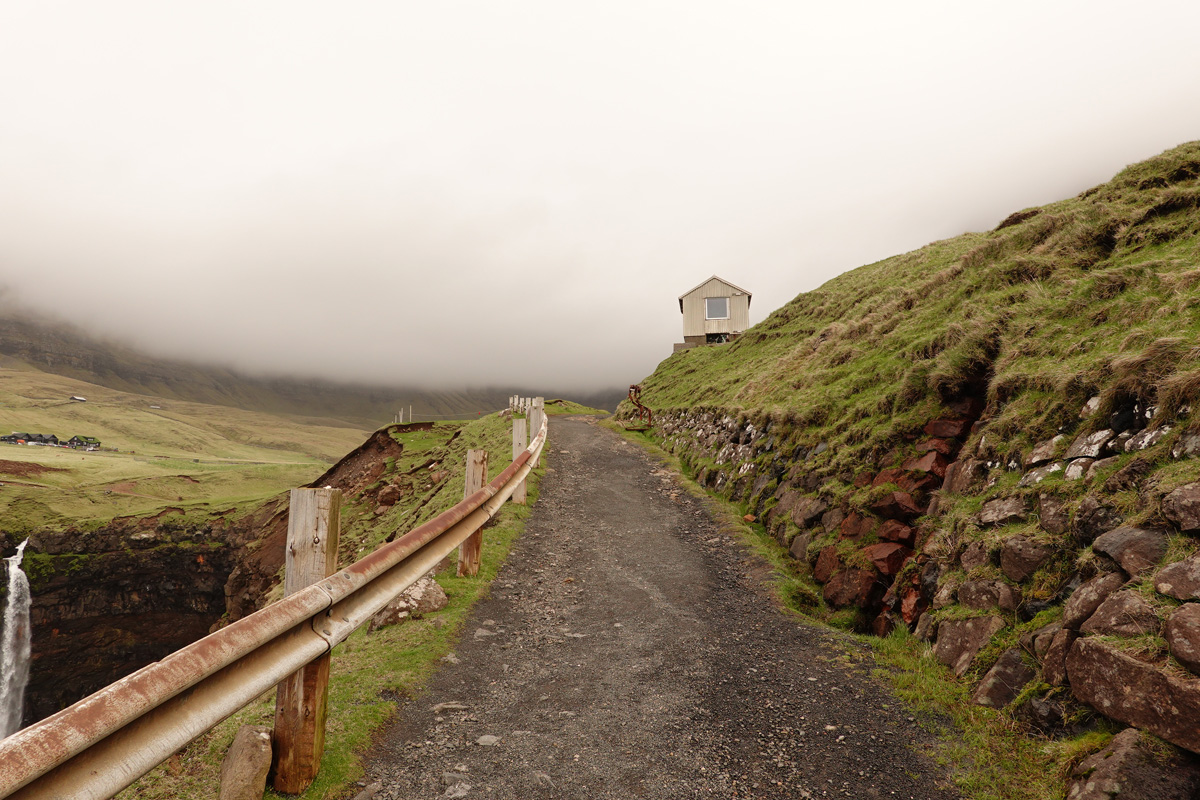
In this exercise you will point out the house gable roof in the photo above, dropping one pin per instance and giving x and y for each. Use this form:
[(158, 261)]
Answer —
[(714, 278)]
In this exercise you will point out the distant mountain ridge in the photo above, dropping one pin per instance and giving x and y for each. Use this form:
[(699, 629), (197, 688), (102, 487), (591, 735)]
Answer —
[(67, 350)]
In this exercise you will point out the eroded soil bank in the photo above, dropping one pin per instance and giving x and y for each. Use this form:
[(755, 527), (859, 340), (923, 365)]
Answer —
[(629, 649)]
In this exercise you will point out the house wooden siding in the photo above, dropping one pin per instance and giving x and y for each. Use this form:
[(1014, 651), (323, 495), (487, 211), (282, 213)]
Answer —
[(692, 305)]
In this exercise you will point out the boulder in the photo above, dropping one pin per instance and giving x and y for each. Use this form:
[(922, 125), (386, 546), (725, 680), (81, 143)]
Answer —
[(855, 526), (1090, 407), (807, 511), (926, 628), (1078, 468), (1182, 507), (799, 547), (1146, 439), (389, 494), (1043, 452), (913, 603), (1021, 556), (1187, 446), (931, 462), (888, 557), (246, 764), (947, 593), (423, 597), (850, 587), (1128, 770), (1134, 692), (1123, 613), (1044, 714), (896, 531), (1002, 511), (960, 640), (1094, 518), (1089, 445), (1183, 635), (963, 474), (1039, 474), (1038, 642), (1180, 580), (947, 447), (1135, 549), (1099, 465), (1084, 601), (897, 505), (1052, 514), (947, 428), (1004, 681), (983, 595), (831, 520), (883, 624), (1054, 662), (975, 555), (827, 562)]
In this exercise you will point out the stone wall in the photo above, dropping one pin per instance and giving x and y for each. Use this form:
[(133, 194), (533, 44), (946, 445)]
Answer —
[(1062, 582)]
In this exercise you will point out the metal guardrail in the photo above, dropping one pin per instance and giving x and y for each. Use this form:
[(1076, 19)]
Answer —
[(109, 739)]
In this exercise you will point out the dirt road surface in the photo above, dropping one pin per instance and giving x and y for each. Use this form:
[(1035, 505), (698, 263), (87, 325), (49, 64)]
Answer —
[(630, 650)]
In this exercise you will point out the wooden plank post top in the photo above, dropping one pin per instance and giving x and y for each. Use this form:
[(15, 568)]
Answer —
[(471, 550), (520, 441), (301, 699)]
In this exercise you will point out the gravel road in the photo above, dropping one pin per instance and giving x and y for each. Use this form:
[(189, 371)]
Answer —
[(629, 650)]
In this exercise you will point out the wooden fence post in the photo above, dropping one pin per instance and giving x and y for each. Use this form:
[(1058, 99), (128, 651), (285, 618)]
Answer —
[(470, 551), (312, 543), (537, 415), (520, 442)]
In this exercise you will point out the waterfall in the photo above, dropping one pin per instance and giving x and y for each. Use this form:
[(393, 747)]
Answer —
[(14, 646)]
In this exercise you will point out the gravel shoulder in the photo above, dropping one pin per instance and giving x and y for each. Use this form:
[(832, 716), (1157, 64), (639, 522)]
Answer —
[(629, 649)]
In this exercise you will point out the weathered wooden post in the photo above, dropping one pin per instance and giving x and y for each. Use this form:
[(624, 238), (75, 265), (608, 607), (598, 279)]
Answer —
[(537, 415), (299, 737), (520, 442), (470, 551)]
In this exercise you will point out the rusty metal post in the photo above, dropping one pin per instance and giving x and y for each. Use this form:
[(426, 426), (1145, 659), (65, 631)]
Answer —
[(520, 441), (300, 701), (471, 551)]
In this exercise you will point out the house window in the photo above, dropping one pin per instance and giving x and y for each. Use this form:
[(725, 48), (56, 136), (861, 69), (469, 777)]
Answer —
[(716, 308)]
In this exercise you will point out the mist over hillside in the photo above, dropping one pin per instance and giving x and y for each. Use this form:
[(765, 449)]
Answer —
[(65, 349)]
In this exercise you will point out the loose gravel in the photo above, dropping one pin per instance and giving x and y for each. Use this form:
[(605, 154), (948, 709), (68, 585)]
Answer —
[(629, 649)]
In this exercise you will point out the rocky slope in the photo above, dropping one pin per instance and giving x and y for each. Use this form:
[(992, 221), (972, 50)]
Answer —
[(994, 441)]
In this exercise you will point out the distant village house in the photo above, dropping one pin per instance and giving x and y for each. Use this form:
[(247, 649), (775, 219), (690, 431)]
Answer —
[(714, 312)]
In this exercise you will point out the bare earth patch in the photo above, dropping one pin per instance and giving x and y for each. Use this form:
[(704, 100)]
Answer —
[(26, 469)]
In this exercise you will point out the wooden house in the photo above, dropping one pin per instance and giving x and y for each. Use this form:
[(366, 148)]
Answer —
[(714, 312)]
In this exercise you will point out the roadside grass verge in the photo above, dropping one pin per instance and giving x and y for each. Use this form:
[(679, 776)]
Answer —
[(370, 672), (984, 751)]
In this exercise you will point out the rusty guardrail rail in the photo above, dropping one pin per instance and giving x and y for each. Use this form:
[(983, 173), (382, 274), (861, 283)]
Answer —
[(109, 739)]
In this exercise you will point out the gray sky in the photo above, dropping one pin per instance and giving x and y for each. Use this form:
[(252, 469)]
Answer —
[(455, 193)]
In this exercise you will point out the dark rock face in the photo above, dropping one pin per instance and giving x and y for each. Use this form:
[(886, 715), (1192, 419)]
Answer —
[(1088, 597), (964, 474), (1183, 635), (799, 547), (895, 531), (808, 511), (856, 526), (974, 556), (1021, 556), (1135, 549), (1129, 771), (897, 505), (1180, 580), (947, 428), (960, 640), (1182, 507), (1004, 681), (1123, 613), (1135, 693), (134, 597)]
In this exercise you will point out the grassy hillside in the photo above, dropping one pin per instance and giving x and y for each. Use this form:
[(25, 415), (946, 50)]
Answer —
[(157, 454), (1099, 294)]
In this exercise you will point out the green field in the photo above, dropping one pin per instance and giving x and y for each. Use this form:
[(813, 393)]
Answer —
[(155, 454)]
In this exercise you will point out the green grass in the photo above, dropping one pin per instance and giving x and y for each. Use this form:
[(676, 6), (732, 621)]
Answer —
[(370, 671), (180, 455), (559, 407)]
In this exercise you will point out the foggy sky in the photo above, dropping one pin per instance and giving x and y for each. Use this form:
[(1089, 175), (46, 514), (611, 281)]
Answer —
[(471, 193)]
